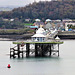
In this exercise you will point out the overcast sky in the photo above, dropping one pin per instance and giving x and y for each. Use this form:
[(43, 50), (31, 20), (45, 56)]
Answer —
[(17, 2)]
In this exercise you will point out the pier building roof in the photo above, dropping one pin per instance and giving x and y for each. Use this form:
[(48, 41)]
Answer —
[(57, 38), (38, 35), (40, 31)]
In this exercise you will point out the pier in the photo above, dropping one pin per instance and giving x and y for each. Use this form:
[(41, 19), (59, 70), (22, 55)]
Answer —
[(40, 49), (39, 46)]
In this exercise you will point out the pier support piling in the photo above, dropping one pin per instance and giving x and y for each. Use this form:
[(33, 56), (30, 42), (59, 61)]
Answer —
[(36, 50), (18, 48), (50, 50), (58, 50), (27, 49)]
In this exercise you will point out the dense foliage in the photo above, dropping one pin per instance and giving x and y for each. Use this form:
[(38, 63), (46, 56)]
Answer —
[(43, 10), (11, 24)]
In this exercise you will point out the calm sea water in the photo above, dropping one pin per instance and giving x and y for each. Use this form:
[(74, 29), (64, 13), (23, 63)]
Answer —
[(63, 65)]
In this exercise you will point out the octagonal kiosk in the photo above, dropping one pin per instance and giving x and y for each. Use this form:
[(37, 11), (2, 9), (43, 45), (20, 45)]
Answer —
[(39, 36)]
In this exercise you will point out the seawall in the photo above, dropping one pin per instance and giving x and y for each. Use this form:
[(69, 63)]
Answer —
[(66, 35), (62, 35)]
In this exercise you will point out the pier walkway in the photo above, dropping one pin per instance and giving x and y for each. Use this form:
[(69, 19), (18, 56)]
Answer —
[(52, 35)]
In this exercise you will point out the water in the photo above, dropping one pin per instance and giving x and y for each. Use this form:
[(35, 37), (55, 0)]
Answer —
[(63, 65)]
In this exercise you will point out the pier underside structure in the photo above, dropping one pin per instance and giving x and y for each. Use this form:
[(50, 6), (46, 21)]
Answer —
[(37, 49)]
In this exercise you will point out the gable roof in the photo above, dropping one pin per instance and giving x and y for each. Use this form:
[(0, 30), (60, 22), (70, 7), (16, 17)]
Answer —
[(48, 25)]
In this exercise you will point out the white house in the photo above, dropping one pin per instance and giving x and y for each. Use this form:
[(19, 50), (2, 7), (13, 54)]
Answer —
[(48, 20), (37, 20), (11, 20)]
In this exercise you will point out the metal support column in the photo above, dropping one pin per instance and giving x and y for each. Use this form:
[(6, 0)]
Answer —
[(18, 48), (58, 50), (27, 49), (50, 50)]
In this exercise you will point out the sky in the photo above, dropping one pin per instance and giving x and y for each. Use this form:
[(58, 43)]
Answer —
[(17, 2)]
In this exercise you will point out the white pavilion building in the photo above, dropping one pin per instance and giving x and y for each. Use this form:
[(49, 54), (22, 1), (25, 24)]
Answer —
[(39, 36)]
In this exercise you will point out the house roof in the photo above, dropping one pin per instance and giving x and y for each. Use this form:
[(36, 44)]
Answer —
[(48, 20), (37, 20)]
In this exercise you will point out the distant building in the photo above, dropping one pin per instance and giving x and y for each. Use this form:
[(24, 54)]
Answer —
[(39, 24), (48, 26), (56, 21), (67, 20), (59, 0), (11, 19), (68, 0), (48, 20), (66, 25), (62, 0), (5, 19), (53, 0), (37, 20), (27, 20), (34, 27)]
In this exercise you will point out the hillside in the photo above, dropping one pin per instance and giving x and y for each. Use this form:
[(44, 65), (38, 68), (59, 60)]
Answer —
[(43, 10)]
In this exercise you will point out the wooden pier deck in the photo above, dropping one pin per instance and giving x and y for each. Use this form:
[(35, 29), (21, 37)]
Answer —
[(40, 49)]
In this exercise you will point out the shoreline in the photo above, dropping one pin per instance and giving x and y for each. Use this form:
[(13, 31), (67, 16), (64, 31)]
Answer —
[(15, 37)]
